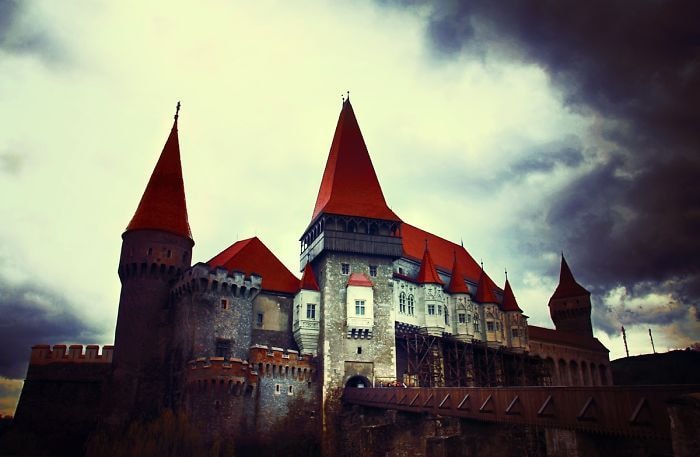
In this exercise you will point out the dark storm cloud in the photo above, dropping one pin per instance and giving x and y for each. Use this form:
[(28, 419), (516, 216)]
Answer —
[(635, 219), (21, 34), (33, 314)]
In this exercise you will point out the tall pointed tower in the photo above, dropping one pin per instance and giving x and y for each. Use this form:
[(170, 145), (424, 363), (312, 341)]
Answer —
[(570, 305), (351, 243), (156, 248)]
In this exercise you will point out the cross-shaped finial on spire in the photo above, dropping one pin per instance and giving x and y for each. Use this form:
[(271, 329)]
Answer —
[(177, 110), (506, 274)]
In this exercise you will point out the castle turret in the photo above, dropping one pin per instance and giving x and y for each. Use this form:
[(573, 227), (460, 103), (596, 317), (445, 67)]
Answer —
[(461, 303), (436, 312), (156, 248), (570, 305), (490, 316), (515, 320), (307, 310)]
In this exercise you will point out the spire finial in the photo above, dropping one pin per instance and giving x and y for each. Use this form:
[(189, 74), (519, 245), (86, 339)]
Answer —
[(348, 95), (506, 274), (461, 242), (482, 264), (342, 97), (177, 110)]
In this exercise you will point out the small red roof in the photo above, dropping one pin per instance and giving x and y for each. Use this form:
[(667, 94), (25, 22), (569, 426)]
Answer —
[(442, 252), (359, 279), (163, 206), (509, 302), (349, 185), (485, 291), (308, 279), (457, 284), (568, 287), (252, 256), (548, 335), (427, 273)]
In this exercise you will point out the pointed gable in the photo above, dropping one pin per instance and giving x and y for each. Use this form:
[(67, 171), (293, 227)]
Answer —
[(484, 290), (163, 206), (308, 279), (349, 185), (427, 273), (441, 251), (568, 287), (509, 302), (252, 256), (457, 284)]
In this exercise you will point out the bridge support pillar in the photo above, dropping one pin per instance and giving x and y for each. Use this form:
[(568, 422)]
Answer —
[(569, 443), (684, 413)]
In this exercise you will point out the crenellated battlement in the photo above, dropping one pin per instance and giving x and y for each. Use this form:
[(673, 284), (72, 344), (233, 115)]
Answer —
[(282, 363), (203, 278), (44, 354), (220, 371)]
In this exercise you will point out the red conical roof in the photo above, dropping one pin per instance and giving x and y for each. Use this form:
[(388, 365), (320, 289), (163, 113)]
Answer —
[(427, 273), (457, 284), (484, 291), (509, 302), (308, 279), (568, 287), (252, 256), (349, 185), (163, 206)]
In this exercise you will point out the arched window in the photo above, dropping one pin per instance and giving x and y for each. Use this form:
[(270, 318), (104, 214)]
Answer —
[(411, 307), (402, 302), (476, 323), (447, 316)]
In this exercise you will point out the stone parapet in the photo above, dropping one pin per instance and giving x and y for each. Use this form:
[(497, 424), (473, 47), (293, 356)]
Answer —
[(44, 354)]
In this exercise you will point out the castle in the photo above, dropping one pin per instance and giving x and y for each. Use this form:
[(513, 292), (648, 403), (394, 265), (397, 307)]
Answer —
[(239, 341)]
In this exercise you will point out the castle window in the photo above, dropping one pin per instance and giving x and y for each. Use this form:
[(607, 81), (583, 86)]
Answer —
[(400, 270), (149, 251), (476, 323), (515, 332), (462, 318), (359, 349), (411, 307), (359, 307), (373, 270), (277, 389), (439, 309), (431, 309), (224, 303), (223, 348), (402, 302), (447, 316), (259, 320), (345, 268), (290, 390), (498, 326), (310, 311), (489, 326)]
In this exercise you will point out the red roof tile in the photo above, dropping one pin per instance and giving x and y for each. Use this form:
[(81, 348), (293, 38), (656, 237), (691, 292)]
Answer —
[(509, 303), (457, 284), (442, 253), (308, 279), (427, 273), (252, 256), (359, 279), (485, 291), (548, 335), (163, 206), (568, 287), (349, 185)]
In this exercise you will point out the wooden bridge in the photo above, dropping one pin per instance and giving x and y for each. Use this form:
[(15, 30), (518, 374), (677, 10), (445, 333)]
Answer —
[(629, 411)]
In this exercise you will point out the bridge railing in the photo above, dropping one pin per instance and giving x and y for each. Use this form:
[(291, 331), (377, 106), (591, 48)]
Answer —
[(635, 411)]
